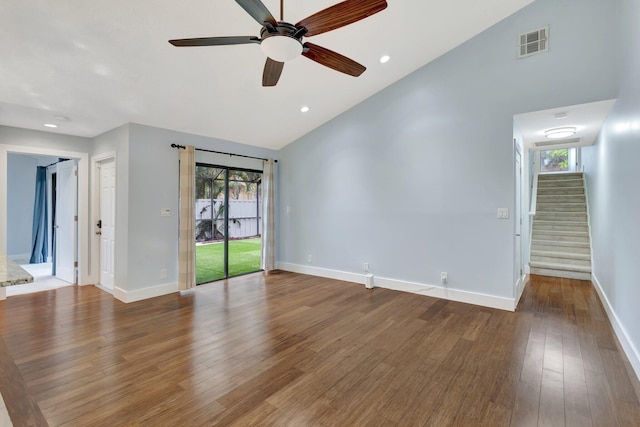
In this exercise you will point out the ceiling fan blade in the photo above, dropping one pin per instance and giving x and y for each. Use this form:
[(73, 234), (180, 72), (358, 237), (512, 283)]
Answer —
[(215, 41), (341, 14), (272, 72), (258, 11), (333, 60)]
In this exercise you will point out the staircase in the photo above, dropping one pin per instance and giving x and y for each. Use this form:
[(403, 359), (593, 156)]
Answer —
[(560, 245)]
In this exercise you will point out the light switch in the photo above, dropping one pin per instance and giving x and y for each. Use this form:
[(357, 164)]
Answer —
[(503, 213), (165, 212)]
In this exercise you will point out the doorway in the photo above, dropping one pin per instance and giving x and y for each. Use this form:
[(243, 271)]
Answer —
[(82, 200), (106, 224), (228, 222)]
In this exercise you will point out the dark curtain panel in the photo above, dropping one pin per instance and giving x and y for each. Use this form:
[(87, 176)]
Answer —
[(39, 230)]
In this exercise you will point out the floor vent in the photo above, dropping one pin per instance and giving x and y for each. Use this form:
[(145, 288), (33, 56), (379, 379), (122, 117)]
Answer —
[(534, 42)]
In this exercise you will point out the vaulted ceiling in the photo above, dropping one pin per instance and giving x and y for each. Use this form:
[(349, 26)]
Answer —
[(91, 66)]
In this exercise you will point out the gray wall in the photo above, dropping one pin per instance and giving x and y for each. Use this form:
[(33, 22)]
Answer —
[(34, 138), (612, 172), (410, 179), (21, 184), (152, 185)]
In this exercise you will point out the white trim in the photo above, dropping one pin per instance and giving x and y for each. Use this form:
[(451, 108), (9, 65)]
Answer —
[(145, 293), (527, 269), (95, 211), (83, 200), (104, 288), (404, 286), (15, 257), (322, 272), (621, 333), (525, 280)]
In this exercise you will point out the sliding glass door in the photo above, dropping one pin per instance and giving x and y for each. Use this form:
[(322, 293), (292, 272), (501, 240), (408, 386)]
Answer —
[(228, 222)]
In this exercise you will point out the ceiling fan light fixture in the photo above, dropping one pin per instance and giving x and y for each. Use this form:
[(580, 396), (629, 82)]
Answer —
[(559, 133), (281, 48)]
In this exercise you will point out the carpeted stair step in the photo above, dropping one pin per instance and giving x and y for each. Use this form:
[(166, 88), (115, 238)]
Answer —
[(560, 225)]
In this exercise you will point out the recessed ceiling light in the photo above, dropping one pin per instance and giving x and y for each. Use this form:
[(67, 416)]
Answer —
[(62, 118), (560, 116), (384, 59), (559, 133), (50, 125), (304, 109)]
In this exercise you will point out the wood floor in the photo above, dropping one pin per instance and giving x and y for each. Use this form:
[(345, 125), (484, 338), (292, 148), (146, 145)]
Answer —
[(296, 350)]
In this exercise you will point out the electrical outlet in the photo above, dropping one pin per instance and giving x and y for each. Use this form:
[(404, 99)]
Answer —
[(366, 267), (444, 278), (163, 273), (309, 259)]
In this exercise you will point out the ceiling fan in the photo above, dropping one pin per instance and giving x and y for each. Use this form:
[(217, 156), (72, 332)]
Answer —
[(282, 41)]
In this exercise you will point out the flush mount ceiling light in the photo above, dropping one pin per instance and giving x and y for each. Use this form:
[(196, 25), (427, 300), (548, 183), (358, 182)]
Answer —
[(384, 59), (304, 109), (50, 125), (559, 133)]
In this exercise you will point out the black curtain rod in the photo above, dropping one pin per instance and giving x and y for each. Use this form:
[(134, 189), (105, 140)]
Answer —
[(182, 147), (55, 163)]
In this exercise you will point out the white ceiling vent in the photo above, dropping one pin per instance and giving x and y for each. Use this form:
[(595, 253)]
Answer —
[(534, 42), (558, 142)]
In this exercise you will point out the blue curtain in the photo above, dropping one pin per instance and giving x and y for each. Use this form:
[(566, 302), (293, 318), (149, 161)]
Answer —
[(39, 230)]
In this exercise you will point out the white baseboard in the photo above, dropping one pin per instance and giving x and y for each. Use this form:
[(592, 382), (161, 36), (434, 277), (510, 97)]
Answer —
[(404, 286), (102, 288), (19, 257), (527, 269), (322, 272), (621, 333), (145, 293), (525, 280)]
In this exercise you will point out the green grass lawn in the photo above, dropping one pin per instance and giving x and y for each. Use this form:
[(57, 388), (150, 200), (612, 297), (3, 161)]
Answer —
[(244, 257)]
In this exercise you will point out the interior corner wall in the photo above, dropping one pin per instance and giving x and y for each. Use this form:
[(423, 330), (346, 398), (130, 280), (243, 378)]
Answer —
[(612, 174), (153, 185), (410, 180), (21, 185)]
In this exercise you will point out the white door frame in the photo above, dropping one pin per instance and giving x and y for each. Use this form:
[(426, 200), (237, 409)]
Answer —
[(95, 214), (84, 277), (518, 264)]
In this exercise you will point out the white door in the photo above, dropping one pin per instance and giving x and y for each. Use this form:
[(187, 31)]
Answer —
[(518, 220), (66, 230), (107, 230)]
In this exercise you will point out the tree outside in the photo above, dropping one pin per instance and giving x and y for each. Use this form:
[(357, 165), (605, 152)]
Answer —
[(554, 160)]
